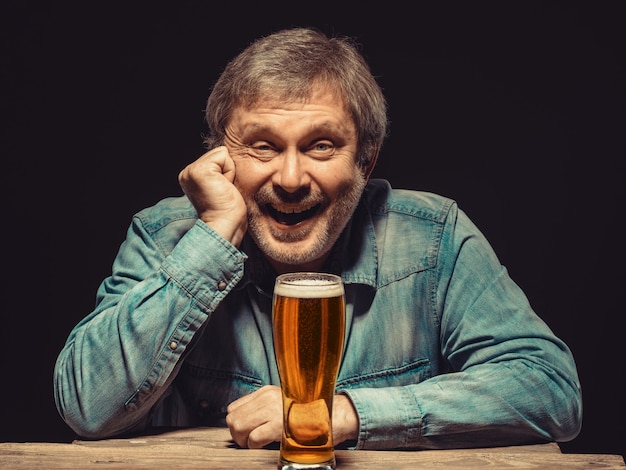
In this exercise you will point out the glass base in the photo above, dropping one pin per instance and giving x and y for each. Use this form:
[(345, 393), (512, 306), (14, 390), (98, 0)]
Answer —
[(284, 465)]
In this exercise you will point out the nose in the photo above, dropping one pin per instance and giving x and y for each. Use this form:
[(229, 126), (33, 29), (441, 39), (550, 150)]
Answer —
[(291, 173)]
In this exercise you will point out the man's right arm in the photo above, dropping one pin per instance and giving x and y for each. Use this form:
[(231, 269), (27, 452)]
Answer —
[(119, 361)]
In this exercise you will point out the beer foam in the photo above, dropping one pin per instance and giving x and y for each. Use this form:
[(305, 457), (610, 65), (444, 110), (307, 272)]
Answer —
[(309, 288)]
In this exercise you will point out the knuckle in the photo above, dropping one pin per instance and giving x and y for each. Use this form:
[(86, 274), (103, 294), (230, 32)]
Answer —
[(235, 425), (256, 439)]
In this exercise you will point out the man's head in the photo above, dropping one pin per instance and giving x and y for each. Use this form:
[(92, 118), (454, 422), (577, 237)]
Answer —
[(286, 66), (303, 120)]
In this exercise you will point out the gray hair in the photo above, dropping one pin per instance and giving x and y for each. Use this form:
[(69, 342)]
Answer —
[(286, 66)]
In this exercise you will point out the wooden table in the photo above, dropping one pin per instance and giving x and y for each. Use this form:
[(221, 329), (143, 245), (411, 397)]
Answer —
[(210, 448)]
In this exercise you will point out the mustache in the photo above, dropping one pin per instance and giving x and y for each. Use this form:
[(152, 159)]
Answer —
[(277, 195)]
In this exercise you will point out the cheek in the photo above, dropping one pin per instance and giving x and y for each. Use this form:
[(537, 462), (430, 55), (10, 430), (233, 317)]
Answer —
[(248, 175), (334, 181)]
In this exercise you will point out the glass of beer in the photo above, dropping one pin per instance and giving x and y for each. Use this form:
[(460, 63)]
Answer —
[(309, 324)]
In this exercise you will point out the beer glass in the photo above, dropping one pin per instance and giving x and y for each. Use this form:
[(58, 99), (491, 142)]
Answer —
[(309, 324)]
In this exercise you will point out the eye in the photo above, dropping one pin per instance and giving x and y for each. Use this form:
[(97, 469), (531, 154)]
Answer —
[(321, 149), (262, 150), (322, 146)]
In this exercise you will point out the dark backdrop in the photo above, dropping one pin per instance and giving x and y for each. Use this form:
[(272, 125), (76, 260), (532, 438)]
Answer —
[(515, 109)]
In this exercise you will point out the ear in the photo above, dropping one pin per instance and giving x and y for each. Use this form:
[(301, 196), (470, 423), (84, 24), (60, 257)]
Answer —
[(367, 171)]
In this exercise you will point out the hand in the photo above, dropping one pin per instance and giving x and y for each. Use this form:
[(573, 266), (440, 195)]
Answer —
[(209, 184), (256, 420)]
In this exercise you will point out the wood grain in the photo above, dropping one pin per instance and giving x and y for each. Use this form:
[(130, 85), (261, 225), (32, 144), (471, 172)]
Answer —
[(212, 448)]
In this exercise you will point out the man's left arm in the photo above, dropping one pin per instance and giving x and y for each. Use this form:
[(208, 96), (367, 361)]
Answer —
[(511, 380), (503, 390)]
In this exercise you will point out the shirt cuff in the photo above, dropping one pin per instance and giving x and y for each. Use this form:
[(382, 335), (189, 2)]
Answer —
[(205, 264), (388, 417)]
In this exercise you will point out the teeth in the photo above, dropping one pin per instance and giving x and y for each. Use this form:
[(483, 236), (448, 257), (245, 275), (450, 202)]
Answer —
[(288, 210), (289, 215)]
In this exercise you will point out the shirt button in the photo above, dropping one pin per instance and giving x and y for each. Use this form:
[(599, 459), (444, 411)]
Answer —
[(221, 285), (173, 345), (204, 404)]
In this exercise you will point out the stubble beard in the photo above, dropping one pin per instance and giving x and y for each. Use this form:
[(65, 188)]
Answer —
[(281, 246)]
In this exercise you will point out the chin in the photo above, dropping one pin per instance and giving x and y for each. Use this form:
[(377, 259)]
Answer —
[(291, 253), (286, 253), (300, 247)]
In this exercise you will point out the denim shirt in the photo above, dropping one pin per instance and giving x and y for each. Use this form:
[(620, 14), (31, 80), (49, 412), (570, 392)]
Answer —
[(442, 349)]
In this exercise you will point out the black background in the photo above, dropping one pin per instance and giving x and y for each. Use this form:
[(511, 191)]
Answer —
[(515, 109)]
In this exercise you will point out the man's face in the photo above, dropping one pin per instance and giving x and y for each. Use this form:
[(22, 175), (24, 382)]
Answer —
[(296, 169)]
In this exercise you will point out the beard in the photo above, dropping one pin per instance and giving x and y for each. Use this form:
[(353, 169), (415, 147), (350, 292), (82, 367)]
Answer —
[(309, 243)]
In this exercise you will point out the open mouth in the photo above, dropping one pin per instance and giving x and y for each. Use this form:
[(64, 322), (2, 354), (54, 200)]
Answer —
[(293, 217)]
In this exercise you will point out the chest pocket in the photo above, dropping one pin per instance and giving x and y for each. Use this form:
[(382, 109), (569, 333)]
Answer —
[(407, 374)]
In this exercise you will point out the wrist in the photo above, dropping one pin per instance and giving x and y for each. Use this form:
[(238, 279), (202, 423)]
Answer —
[(233, 232), (345, 420)]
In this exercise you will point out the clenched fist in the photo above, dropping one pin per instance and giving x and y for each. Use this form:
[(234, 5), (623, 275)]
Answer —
[(256, 420), (208, 182)]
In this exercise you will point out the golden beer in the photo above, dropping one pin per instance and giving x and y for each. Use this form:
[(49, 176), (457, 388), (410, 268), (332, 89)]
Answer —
[(309, 323)]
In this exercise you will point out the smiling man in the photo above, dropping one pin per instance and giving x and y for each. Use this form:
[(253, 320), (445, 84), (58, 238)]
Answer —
[(442, 348), (296, 171)]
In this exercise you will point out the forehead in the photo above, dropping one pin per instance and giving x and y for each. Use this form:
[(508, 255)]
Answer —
[(277, 98), (288, 91), (321, 108)]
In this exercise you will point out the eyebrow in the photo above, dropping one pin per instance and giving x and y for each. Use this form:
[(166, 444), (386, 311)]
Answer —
[(325, 125)]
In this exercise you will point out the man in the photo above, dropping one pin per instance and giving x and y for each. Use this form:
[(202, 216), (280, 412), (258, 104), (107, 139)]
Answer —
[(442, 348)]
